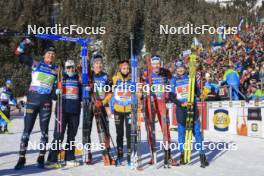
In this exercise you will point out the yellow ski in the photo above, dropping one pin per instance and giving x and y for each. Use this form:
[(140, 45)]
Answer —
[(190, 110)]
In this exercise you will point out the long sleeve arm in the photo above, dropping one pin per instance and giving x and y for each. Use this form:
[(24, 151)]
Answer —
[(21, 53)]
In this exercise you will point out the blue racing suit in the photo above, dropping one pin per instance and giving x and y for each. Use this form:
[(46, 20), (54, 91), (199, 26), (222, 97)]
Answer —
[(179, 94), (39, 98)]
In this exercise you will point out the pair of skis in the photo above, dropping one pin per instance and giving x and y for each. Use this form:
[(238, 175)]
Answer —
[(103, 131), (190, 109), (151, 120)]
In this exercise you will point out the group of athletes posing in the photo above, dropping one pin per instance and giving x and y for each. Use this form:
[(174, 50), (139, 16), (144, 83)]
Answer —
[(43, 89)]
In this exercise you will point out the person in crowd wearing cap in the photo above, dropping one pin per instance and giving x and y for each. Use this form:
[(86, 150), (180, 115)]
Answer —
[(101, 95), (231, 78), (160, 79), (179, 85), (122, 108), (71, 108), (6, 99), (39, 98)]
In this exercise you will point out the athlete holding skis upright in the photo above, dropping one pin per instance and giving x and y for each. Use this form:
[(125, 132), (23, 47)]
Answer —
[(100, 98), (122, 109), (159, 79), (71, 108), (179, 85), (39, 98)]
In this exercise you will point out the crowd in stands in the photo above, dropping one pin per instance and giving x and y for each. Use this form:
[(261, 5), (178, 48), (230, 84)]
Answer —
[(234, 68)]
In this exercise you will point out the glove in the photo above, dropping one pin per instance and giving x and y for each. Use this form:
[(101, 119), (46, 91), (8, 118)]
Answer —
[(3, 108), (27, 41), (186, 104), (98, 104), (58, 92), (22, 46)]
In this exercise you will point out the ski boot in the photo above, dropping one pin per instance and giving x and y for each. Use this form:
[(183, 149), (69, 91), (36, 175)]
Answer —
[(203, 160), (5, 130), (166, 159), (172, 162), (21, 162), (1, 132), (106, 160), (112, 161), (41, 161), (89, 159), (129, 164), (151, 161), (182, 162), (119, 159)]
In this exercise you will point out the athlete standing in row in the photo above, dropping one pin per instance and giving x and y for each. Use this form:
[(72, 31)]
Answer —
[(39, 98), (71, 108), (122, 109), (179, 95), (159, 78)]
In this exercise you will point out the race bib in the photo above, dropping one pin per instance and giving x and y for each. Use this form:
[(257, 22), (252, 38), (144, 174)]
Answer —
[(182, 91), (43, 80), (123, 96), (71, 92)]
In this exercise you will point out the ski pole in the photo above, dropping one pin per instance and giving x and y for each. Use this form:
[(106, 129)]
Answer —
[(59, 110)]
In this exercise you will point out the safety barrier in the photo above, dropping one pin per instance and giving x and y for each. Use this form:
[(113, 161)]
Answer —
[(229, 117)]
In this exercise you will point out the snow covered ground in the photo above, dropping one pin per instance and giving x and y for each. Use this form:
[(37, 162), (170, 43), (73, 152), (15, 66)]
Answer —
[(246, 160)]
